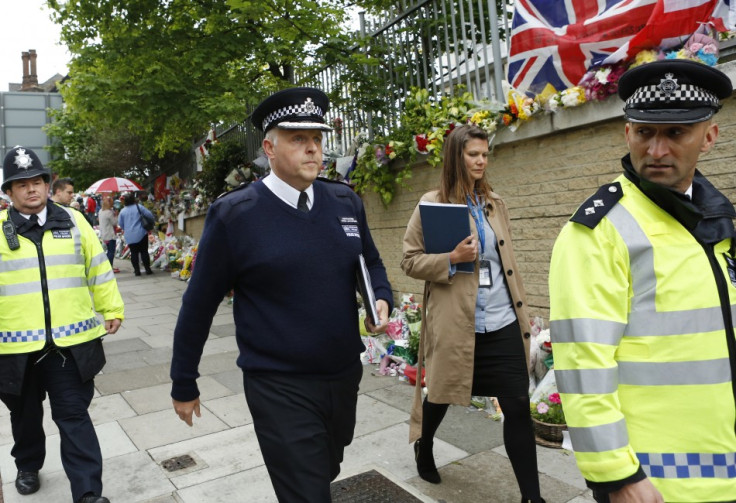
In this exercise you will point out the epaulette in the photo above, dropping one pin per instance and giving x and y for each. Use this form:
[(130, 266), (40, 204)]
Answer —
[(592, 211), (239, 187), (338, 182)]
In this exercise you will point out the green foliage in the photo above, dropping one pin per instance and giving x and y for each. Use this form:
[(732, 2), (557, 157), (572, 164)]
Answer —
[(165, 71), (425, 115), (222, 159)]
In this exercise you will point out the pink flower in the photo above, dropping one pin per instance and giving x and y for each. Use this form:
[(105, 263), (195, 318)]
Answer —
[(554, 397), (542, 408)]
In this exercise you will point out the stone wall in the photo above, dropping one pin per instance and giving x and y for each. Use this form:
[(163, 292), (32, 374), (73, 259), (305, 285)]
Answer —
[(544, 171)]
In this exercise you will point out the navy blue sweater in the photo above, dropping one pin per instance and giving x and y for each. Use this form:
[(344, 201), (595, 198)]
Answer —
[(293, 274)]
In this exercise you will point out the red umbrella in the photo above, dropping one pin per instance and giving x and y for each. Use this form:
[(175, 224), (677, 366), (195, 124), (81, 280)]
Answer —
[(113, 184)]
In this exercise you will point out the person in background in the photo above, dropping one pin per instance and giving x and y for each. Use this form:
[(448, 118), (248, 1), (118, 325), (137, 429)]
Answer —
[(288, 245), (130, 222), (62, 191), (642, 298), (108, 222), (90, 209), (475, 338), (54, 278)]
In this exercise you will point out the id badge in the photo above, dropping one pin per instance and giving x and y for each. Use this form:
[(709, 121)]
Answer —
[(484, 275)]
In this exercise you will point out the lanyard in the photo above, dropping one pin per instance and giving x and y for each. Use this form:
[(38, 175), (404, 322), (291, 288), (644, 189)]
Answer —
[(477, 212)]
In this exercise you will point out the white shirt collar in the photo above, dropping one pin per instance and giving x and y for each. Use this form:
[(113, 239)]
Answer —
[(286, 192), (41, 216), (689, 192)]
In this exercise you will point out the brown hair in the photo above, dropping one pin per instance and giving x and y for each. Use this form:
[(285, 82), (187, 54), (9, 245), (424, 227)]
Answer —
[(456, 183)]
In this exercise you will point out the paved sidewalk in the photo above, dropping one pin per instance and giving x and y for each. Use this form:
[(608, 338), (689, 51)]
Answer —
[(138, 429)]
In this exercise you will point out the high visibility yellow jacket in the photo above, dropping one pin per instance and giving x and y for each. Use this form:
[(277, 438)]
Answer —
[(45, 289), (641, 317)]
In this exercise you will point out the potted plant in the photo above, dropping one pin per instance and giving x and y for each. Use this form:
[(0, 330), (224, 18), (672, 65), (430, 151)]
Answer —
[(549, 418)]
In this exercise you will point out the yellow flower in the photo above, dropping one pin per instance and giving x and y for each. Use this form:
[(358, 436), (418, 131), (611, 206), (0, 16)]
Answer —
[(643, 57), (478, 117)]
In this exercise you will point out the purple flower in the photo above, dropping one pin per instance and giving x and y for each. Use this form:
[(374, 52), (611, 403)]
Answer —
[(542, 408)]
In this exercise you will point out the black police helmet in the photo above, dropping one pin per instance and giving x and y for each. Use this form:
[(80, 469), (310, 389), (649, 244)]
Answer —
[(22, 163)]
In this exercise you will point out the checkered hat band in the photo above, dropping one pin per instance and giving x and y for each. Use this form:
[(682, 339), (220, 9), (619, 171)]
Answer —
[(687, 93), (292, 110)]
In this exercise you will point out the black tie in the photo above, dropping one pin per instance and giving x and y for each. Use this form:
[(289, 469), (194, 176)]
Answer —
[(301, 205), (34, 218)]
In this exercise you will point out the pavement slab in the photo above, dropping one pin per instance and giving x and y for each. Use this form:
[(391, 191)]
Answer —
[(158, 398), (164, 427), (220, 454)]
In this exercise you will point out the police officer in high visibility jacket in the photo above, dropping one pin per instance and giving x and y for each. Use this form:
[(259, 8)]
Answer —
[(54, 275), (643, 298)]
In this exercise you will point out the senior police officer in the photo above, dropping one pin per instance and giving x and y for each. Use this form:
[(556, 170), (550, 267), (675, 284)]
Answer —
[(54, 275), (289, 246), (642, 295)]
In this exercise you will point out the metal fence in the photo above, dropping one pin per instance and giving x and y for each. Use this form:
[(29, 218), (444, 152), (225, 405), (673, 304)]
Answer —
[(440, 45)]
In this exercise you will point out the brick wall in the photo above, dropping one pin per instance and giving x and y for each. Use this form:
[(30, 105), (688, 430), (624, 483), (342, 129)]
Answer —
[(543, 174)]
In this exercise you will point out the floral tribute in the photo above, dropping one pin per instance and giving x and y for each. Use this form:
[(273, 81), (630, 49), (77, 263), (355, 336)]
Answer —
[(427, 120), (549, 410)]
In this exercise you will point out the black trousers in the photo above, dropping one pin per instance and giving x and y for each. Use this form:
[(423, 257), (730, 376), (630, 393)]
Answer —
[(140, 249), (303, 426), (57, 375)]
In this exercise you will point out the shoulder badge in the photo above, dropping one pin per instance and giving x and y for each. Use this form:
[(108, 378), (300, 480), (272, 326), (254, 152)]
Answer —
[(592, 211)]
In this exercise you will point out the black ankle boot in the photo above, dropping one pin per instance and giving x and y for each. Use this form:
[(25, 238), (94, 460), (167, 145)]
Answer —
[(425, 462)]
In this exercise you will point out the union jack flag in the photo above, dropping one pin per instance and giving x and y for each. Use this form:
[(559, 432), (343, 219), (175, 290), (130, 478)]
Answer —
[(557, 41)]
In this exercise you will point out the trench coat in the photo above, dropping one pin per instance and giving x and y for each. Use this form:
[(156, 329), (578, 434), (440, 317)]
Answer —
[(447, 338)]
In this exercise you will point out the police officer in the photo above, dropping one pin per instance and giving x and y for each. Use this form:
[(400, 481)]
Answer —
[(54, 276), (642, 296), (289, 245)]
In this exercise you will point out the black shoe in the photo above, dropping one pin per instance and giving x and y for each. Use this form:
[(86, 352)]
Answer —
[(540, 500), (27, 482), (93, 499), (137, 273), (148, 272), (425, 462)]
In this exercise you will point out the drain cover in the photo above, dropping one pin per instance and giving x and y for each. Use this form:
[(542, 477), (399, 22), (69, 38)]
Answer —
[(178, 463), (369, 487)]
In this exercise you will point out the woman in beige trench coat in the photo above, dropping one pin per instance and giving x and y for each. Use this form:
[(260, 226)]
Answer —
[(475, 330)]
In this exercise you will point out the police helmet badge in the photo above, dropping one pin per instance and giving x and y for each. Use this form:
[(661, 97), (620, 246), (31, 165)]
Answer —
[(22, 160)]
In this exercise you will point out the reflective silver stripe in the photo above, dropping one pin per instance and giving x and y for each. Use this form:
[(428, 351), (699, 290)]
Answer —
[(674, 373), (587, 330), (587, 381), (98, 259), (692, 321), (20, 288), (641, 258), (18, 264), (61, 283), (605, 437), (76, 235), (101, 278), (65, 259)]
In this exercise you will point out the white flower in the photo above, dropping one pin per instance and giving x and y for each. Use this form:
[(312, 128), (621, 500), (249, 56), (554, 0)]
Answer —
[(602, 75), (569, 98)]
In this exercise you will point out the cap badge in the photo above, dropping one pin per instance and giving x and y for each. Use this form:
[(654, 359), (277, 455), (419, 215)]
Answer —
[(22, 160), (309, 106), (668, 84)]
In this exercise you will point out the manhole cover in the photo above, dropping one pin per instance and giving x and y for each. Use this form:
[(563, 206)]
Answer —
[(178, 463), (369, 487)]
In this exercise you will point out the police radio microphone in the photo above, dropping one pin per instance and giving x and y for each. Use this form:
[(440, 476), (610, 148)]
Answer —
[(11, 236)]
